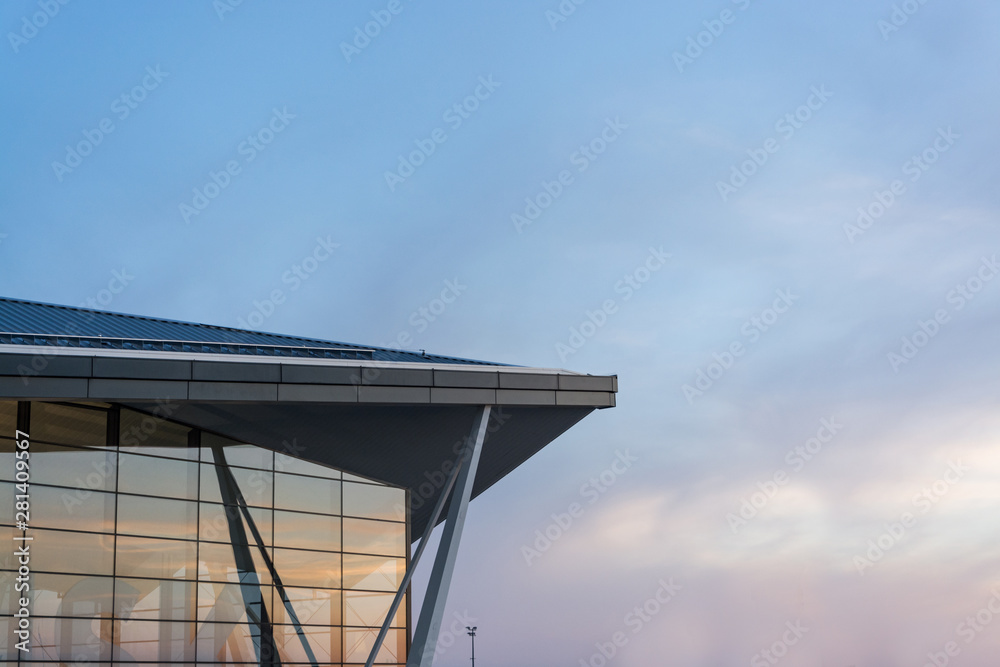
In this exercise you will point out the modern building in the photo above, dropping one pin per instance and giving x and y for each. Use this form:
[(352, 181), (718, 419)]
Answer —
[(199, 495)]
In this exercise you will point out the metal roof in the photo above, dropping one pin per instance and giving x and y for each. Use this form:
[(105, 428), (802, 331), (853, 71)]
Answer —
[(397, 422), (44, 324)]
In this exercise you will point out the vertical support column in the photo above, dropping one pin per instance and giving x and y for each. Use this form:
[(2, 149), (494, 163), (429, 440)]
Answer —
[(429, 623), (405, 583)]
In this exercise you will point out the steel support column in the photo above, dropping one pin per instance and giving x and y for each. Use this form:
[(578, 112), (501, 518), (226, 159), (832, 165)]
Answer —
[(429, 624), (425, 538)]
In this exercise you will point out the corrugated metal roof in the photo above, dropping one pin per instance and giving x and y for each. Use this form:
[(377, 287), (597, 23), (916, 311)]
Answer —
[(44, 324)]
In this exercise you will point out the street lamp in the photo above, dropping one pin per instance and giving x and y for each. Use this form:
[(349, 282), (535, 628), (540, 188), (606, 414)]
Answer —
[(472, 633)]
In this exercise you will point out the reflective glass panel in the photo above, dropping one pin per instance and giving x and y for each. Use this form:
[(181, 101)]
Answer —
[(348, 477), (217, 562), (8, 418), (151, 599), (147, 434), (358, 644), (308, 568), (68, 425), (227, 643), (8, 561), (324, 643), (232, 603), (236, 453), (374, 537), (8, 596), (7, 508), (160, 641), (155, 559), (374, 502), (72, 509), (169, 478), (311, 606), (71, 553), (254, 485), (67, 595), (176, 599), (292, 465), (8, 650), (157, 517), (373, 573), (307, 494), (370, 609), (80, 640), (91, 469), (215, 526), (7, 469), (306, 531)]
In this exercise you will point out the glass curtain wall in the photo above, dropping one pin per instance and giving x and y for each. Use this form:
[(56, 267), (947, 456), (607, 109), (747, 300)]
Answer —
[(158, 543)]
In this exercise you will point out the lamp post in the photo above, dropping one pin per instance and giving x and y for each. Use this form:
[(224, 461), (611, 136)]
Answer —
[(472, 633)]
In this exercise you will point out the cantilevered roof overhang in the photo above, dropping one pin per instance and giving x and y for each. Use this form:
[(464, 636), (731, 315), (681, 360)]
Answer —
[(397, 417)]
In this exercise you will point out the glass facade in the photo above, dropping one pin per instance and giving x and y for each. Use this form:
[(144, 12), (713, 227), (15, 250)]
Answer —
[(158, 543)]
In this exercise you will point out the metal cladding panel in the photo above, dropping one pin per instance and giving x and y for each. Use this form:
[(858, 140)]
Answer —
[(142, 369), (15, 387), (466, 379), (235, 372), (321, 374), (41, 365), (102, 388), (406, 446), (587, 383)]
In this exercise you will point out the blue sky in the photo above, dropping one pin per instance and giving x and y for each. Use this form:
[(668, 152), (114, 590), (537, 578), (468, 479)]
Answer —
[(641, 145)]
